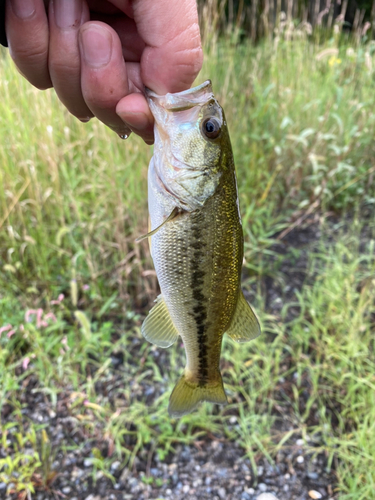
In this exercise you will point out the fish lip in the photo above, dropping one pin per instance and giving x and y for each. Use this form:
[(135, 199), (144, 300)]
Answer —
[(186, 99)]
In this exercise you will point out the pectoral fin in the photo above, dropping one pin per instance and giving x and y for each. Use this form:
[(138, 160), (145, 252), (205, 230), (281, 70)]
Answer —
[(175, 213), (244, 325), (158, 327)]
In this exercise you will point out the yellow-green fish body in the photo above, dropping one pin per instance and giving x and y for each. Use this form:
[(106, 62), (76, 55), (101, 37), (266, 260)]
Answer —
[(196, 242)]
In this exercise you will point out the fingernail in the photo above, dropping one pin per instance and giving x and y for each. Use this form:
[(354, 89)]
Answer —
[(85, 119), (23, 8), (96, 44), (68, 13)]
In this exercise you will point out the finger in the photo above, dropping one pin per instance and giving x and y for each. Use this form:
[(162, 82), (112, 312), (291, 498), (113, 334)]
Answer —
[(135, 112), (65, 19), (104, 78), (125, 27), (133, 109), (27, 31), (173, 55)]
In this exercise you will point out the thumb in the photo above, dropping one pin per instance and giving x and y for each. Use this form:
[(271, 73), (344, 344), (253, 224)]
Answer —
[(173, 55)]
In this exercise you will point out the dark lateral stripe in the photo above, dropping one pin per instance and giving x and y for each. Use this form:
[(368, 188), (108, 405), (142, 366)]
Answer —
[(200, 307)]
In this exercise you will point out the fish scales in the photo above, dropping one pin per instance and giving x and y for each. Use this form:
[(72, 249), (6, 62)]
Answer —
[(196, 242), (200, 279)]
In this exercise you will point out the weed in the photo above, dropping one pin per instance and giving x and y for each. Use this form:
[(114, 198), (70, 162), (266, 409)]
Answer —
[(27, 465)]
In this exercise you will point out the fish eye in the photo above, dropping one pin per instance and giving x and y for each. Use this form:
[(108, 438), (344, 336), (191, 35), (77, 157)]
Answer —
[(211, 127)]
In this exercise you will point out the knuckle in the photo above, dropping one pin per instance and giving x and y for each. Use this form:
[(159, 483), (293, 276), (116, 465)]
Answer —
[(65, 71), (30, 54), (188, 50), (64, 68)]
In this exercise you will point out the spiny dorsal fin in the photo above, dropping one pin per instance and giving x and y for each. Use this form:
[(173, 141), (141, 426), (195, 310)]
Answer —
[(158, 327), (175, 212), (244, 325)]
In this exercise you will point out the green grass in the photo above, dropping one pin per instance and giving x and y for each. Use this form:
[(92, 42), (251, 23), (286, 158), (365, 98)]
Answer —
[(73, 198)]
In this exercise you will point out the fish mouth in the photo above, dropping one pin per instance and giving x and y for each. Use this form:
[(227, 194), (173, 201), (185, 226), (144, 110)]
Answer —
[(180, 101)]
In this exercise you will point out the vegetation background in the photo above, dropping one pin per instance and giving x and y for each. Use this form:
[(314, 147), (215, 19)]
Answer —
[(298, 88)]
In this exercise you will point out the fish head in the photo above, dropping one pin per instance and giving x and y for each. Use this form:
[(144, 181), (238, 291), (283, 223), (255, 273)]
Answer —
[(191, 144)]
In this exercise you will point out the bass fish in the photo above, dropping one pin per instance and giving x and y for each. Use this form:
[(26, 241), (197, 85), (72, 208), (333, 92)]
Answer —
[(196, 242)]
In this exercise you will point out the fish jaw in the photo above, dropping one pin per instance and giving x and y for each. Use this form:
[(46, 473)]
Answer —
[(186, 163), (177, 101)]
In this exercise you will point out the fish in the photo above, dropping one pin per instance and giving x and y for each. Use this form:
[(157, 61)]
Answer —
[(196, 242)]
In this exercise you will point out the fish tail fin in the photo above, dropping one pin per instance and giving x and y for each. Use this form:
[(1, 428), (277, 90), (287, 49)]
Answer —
[(187, 395)]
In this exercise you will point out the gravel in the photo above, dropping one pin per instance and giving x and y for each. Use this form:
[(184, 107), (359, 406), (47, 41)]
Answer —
[(216, 470), (267, 496)]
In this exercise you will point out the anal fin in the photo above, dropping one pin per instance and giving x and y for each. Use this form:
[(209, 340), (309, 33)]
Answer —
[(158, 327), (244, 325)]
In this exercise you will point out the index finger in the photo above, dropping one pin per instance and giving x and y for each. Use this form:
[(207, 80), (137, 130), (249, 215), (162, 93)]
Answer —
[(27, 33)]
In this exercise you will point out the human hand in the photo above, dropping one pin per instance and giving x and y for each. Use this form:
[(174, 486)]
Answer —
[(99, 55)]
